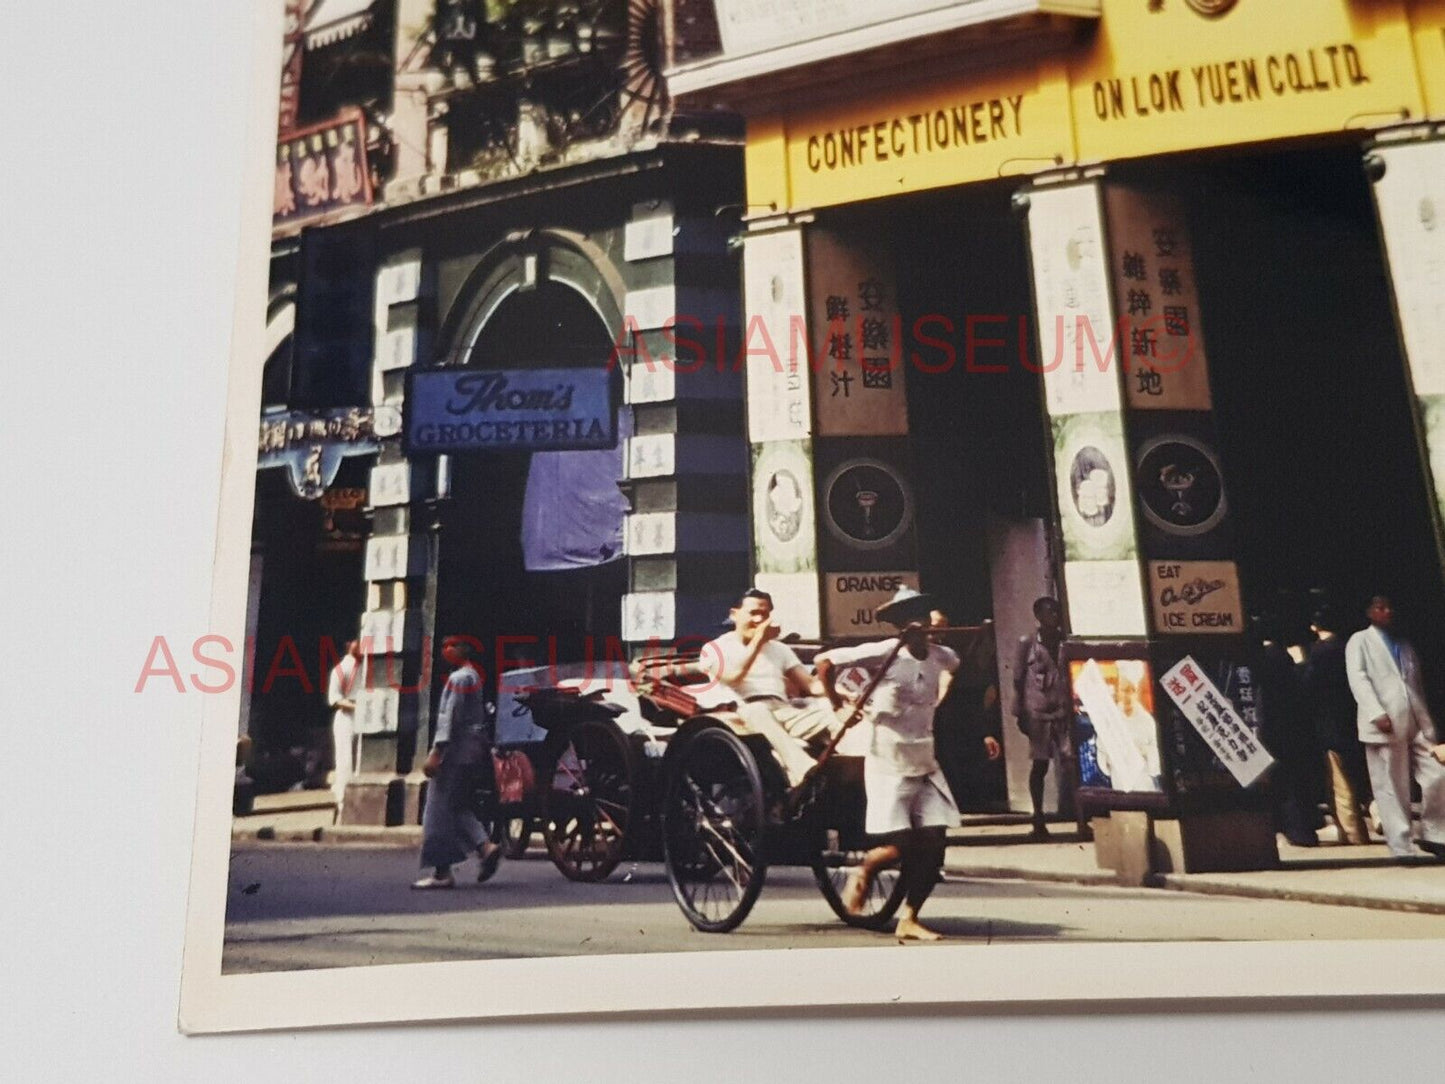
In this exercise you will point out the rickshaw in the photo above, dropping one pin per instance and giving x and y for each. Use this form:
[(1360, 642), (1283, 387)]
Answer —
[(697, 789)]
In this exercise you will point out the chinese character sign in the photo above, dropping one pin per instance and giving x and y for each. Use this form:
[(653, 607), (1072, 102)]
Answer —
[(1218, 721), (857, 339), (1157, 340), (322, 169)]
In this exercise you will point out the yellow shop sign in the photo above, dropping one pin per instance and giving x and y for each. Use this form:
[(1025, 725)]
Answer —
[(970, 130), (1171, 77)]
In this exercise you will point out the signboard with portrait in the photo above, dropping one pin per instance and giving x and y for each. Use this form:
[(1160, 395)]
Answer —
[(785, 536), (1116, 734), (1091, 470)]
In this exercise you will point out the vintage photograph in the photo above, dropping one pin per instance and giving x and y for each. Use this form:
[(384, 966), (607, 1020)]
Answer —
[(916, 478)]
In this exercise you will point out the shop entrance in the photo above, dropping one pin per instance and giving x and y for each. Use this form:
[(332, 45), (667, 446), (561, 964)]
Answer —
[(1311, 401), (980, 470), (311, 589), (530, 560)]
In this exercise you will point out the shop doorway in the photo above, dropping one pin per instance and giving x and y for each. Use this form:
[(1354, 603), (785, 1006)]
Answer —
[(530, 555), (310, 555), (980, 467), (1311, 400)]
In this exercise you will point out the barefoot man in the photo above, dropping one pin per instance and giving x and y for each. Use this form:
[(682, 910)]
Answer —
[(909, 803)]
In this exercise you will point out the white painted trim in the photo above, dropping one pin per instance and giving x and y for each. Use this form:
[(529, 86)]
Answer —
[(724, 70), (277, 328)]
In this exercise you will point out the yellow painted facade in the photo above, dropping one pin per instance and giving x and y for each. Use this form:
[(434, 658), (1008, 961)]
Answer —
[(1427, 24), (1151, 79)]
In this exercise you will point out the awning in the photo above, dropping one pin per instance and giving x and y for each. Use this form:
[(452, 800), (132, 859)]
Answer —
[(332, 20)]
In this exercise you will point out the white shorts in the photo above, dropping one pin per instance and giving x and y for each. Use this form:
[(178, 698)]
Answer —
[(899, 802)]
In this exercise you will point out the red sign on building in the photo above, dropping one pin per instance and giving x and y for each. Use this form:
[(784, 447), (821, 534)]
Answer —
[(291, 52), (321, 169)]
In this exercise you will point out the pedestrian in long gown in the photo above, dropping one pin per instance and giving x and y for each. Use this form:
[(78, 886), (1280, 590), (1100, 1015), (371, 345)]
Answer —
[(451, 828)]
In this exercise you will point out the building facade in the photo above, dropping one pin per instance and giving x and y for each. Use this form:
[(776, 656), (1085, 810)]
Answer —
[(1135, 303), (496, 202)]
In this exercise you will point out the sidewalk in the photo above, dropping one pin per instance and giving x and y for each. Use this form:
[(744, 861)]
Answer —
[(307, 816), (1331, 873)]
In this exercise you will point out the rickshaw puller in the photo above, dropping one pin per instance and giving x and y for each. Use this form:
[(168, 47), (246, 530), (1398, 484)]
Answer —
[(909, 803)]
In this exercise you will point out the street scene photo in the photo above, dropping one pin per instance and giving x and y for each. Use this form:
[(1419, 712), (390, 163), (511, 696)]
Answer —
[(768, 474)]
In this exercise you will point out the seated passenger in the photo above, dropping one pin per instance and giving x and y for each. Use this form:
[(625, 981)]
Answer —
[(772, 686)]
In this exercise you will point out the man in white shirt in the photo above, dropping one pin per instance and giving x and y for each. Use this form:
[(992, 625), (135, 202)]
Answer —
[(770, 683), (910, 807), (1396, 729), (341, 696)]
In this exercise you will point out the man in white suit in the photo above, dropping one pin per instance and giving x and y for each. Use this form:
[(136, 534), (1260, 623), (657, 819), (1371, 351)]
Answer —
[(1396, 729)]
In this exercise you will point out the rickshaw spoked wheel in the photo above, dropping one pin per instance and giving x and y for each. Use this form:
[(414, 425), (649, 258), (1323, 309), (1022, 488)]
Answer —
[(712, 828), (833, 868), (590, 803)]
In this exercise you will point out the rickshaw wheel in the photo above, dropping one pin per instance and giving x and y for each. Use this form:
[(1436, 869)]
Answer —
[(516, 835), (832, 869), (712, 829), (585, 826)]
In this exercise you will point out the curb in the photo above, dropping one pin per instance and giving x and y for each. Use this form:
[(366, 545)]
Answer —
[(1187, 883), (404, 836), (1177, 882), (1012, 873)]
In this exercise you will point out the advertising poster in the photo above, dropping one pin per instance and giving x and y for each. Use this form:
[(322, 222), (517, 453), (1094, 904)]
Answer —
[(775, 338), (1194, 597), (1217, 720), (1071, 285), (1091, 470), (1116, 734), (784, 516), (1105, 598), (866, 504)]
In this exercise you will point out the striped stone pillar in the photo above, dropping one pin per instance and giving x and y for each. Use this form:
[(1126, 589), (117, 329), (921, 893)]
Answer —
[(400, 562), (686, 535)]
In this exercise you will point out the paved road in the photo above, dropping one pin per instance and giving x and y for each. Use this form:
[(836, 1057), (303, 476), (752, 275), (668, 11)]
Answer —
[(310, 905)]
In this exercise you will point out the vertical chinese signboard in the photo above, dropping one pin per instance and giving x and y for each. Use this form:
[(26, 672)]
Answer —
[(865, 494), (1184, 534), (321, 169), (292, 51)]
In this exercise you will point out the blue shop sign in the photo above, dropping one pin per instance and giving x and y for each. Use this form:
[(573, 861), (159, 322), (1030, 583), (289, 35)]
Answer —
[(519, 410)]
